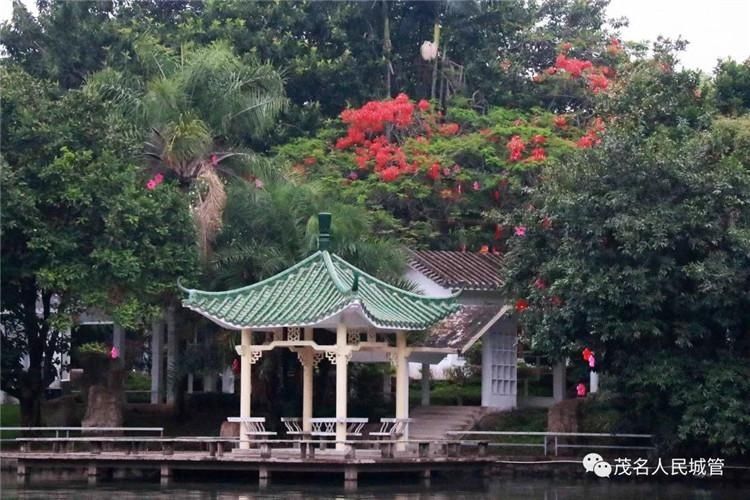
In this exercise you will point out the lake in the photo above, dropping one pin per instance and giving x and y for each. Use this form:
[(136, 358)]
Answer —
[(441, 489)]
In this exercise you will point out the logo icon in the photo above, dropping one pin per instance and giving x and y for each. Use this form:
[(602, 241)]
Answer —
[(590, 460), (593, 462), (602, 469)]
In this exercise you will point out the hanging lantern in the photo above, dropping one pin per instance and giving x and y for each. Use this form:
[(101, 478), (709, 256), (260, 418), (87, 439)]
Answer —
[(428, 50)]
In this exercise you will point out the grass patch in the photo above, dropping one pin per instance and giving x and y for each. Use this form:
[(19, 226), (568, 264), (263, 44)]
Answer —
[(10, 416), (520, 420), (448, 393)]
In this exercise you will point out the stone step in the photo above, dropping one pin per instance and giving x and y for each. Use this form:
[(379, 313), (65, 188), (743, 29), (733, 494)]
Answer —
[(433, 422)]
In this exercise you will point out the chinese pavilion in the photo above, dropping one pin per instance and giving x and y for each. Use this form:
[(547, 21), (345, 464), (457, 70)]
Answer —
[(324, 292)]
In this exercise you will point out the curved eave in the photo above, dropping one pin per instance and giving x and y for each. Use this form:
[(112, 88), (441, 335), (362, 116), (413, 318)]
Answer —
[(356, 305)]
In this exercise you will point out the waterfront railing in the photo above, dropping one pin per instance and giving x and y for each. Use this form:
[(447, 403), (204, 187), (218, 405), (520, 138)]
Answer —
[(556, 441)]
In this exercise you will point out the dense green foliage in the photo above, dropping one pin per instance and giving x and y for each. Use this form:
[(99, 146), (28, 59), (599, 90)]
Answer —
[(616, 184), (78, 228), (647, 262)]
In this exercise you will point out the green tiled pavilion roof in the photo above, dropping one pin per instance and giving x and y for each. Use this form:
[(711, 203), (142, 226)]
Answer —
[(315, 290)]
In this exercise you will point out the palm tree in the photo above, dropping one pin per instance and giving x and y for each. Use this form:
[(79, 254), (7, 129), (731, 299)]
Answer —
[(266, 232), (192, 109)]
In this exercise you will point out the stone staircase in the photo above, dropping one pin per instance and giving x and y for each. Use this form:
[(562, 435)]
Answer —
[(432, 422)]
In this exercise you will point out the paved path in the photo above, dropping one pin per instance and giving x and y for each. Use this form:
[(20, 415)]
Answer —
[(432, 422)]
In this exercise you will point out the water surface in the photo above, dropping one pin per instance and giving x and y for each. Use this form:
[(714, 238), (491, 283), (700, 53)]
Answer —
[(441, 489)]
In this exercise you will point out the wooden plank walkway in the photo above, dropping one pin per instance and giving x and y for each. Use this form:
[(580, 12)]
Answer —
[(368, 461)]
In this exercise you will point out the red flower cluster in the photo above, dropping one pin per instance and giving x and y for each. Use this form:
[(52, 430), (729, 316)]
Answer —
[(390, 174), (614, 47), (433, 172), (574, 66), (374, 115), (522, 305), (538, 139), (515, 147), (588, 141), (448, 129), (597, 82), (596, 76), (593, 134), (538, 154), (560, 122), (373, 148)]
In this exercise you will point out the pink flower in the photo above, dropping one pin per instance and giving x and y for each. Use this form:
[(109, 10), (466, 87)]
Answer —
[(214, 160), (151, 185), (520, 231), (540, 284), (114, 353), (476, 186), (158, 178), (258, 184), (592, 361)]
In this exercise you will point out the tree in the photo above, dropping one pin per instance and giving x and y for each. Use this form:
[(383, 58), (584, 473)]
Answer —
[(271, 230), (640, 250), (732, 87), (192, 108), (79, 229), (431, 178)]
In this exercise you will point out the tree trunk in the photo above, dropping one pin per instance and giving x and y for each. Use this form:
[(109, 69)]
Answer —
[(386, 48), (436, 41), (31, 408), (443, 93)]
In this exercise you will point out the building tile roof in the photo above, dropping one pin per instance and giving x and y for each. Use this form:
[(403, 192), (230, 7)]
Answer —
[(314, 290), (463, 270)]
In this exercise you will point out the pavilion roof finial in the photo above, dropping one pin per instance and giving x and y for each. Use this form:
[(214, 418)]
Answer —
[(324, 230)]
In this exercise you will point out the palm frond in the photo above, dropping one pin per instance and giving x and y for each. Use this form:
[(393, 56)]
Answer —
[(207, 212)]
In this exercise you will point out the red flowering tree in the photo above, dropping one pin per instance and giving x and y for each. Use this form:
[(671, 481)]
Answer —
[(433, 176)]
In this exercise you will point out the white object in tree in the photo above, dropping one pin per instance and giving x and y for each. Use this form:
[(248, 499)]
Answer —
[(428, 50)]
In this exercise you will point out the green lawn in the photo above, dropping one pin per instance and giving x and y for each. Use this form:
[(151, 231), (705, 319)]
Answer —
[(519, 420), (10, 416)]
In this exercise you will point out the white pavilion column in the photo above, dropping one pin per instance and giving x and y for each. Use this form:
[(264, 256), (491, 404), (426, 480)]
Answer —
[(342, 393), (402, 385), (425, 384), (245, 384), (593, 382), (307, 383), (171, 356), (157, 339)]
